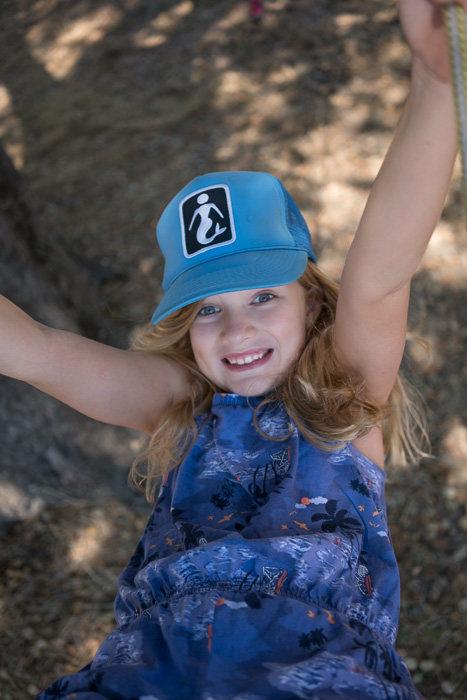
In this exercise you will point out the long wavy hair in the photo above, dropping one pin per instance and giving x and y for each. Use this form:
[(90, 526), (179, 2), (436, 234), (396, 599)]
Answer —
[(324, 399)]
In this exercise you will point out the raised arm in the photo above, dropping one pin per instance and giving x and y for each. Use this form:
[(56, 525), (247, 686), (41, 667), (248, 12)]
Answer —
[(402, 210), (120, 387)]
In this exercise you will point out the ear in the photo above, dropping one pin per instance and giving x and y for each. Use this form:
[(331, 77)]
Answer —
[(314, 302)]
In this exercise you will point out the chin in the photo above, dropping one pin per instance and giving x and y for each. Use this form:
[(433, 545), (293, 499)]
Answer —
[(253, 389)]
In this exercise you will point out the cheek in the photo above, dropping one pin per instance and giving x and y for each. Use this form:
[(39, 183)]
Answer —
[(200, 345), (296, 344), (294, 330)]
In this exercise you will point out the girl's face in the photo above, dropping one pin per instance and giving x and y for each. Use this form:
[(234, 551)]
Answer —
[(245, 342)]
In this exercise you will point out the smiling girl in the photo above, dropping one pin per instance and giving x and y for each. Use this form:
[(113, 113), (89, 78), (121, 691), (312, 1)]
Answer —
[(272, 401)]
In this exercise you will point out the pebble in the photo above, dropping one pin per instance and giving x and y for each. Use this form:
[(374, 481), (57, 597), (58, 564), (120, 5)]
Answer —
[(412, 664), (427, 665), (448, 687)]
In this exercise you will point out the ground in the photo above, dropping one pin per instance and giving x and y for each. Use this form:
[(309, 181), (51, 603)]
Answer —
[(107, 107)]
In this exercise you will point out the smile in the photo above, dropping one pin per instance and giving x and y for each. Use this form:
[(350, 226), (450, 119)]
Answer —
[(241, 360)]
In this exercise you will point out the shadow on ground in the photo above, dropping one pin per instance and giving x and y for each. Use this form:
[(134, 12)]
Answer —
[(107, 109)]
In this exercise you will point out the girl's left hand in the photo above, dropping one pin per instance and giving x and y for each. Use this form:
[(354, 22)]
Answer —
[(423, 27)]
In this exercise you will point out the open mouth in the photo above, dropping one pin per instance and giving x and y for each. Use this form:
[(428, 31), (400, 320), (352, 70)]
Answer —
[(242, 360)]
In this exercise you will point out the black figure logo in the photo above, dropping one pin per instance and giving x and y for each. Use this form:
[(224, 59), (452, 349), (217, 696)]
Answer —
[(207, 222)]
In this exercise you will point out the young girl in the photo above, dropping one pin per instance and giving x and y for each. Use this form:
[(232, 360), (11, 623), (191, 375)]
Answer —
[(266, 569)]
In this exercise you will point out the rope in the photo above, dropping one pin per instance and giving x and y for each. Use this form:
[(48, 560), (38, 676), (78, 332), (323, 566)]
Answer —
[(455, 20)]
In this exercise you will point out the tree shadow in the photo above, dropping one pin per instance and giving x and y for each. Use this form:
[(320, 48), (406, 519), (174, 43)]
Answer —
[(438, 313), (427, 505), (157, 93)]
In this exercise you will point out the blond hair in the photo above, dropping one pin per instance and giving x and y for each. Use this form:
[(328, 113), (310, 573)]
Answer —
[(324, 399)]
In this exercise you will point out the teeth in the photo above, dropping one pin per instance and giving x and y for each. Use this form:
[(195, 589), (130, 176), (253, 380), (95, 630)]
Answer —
[(247, 360)]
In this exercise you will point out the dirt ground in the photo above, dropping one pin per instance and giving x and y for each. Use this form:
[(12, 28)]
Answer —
[(107, 108)]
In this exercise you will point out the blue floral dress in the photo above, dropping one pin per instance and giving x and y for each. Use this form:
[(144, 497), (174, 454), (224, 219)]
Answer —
[(266, 571)]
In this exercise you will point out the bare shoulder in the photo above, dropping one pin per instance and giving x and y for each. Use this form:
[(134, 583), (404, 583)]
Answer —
[(156, 383), (371, 445), (162, 373)]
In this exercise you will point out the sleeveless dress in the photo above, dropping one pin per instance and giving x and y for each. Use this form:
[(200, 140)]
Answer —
[(266, 571)]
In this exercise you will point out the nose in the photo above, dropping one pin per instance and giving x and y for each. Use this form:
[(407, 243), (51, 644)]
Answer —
[(237, 325)]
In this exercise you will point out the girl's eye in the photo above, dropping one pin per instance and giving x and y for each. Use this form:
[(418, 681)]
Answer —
[(208, 310), (263, 297)]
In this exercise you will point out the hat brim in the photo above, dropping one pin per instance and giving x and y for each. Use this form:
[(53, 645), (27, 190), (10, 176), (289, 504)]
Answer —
[(233, 273)]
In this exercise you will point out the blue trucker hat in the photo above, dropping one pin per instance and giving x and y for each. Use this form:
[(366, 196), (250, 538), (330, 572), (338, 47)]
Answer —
[(229, 231)]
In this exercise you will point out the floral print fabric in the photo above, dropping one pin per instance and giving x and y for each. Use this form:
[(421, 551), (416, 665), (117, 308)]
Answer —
[(266, 571)]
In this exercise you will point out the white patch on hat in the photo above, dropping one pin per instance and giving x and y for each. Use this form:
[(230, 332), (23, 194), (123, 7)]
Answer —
[(206, 220)]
